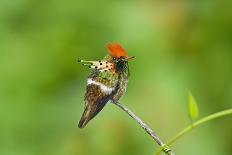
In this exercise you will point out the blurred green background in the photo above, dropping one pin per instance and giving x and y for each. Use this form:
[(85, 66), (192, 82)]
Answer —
[(180, 46)]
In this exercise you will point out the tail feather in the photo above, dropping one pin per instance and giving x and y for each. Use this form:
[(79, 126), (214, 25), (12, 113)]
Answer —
[(85, 118), (90, 112)]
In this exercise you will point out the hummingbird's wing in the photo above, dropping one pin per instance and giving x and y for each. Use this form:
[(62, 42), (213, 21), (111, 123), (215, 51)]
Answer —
[(95, 100), (98, 93)]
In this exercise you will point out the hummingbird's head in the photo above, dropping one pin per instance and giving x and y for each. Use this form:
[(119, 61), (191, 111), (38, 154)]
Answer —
[(119, 57)]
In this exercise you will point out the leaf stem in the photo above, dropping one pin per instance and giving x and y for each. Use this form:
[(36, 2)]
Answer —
[(195, 124)]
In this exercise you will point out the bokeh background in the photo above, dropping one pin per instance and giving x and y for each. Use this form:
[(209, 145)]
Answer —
[(180, 46)]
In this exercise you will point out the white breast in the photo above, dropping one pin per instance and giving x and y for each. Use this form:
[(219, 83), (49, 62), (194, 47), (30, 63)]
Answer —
[(104, 88)]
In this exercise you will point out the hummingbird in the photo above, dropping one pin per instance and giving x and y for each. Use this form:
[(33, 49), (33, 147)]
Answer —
[(107, 81)]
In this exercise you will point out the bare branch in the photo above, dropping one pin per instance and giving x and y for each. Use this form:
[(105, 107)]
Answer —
[(154, 136)]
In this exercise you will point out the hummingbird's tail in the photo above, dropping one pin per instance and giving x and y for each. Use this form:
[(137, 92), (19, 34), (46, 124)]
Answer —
[(85, 118), (90, 112)]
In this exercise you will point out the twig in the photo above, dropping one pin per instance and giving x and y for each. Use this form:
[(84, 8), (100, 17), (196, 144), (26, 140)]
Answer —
[(195, 124), (154, 136)]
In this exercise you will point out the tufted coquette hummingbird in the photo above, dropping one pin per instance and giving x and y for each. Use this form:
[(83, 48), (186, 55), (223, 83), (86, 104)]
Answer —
[(106, 82)]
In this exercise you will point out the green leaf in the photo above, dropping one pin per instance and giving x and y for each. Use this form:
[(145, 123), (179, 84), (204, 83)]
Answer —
[(192, 107)]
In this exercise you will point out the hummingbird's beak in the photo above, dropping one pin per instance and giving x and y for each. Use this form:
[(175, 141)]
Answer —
[(129, 58)]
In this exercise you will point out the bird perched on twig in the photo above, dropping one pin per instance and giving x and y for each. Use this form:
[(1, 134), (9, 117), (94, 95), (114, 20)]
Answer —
[(107, 81)]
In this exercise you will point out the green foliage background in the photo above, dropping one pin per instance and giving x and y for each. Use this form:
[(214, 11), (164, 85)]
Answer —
[(179, 45)]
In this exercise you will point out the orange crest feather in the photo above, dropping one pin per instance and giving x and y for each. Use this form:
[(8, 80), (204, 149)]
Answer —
[(116, 50)]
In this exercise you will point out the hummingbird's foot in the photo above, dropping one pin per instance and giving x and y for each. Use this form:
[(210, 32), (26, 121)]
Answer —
[(113, 101)]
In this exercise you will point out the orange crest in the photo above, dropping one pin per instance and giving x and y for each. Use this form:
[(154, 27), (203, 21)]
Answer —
[(116, 50)]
